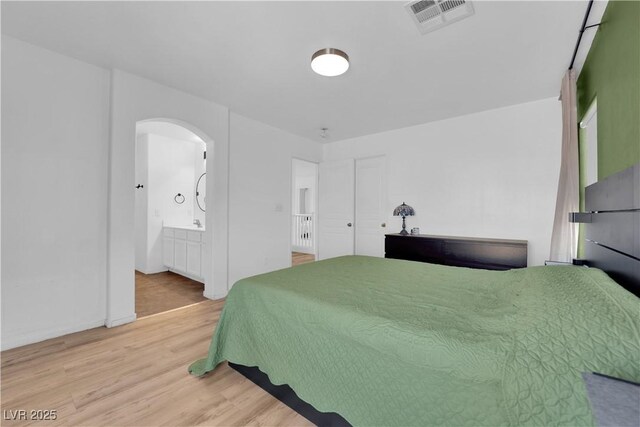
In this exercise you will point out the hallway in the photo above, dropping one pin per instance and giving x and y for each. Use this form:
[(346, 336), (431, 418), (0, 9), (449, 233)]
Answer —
[(298, 258)]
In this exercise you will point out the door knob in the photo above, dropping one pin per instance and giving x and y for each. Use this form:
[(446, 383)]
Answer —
[(383, 225), (349, 224)]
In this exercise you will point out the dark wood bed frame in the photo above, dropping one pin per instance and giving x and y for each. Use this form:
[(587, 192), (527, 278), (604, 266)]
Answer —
[(612, 245), (286, 395)]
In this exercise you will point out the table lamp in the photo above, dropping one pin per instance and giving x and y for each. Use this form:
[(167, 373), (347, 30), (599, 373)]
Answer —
[(404, 211)]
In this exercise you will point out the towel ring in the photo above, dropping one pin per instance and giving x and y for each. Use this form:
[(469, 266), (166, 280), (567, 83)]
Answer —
[(179, 198)]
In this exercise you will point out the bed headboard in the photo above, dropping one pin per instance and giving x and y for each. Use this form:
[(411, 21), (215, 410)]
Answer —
[(613, 235)]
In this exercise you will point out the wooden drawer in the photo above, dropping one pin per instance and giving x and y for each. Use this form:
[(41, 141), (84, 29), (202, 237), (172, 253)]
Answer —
[(168, 251), (194, 236), (194, 259), (180, 255), (180, 234), (406, 247), (486, 255), (167, 232), (489, 254)]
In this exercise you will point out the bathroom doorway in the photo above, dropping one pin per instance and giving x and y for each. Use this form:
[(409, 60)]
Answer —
[(304, 187), (170, 205)]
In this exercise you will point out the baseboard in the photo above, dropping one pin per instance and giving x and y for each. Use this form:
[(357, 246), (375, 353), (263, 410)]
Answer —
[(154, 271), (213, 296), (34, 337), (111, 323)]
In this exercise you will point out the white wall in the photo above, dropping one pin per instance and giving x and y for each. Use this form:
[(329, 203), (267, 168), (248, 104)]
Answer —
[(491, 174), (260, 201), (68, 178), (135, 99), (171, 170), (68, 132), (68, 135), (55, 122)]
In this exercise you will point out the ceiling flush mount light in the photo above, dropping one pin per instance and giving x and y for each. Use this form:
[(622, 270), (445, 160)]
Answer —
[(330, 62)]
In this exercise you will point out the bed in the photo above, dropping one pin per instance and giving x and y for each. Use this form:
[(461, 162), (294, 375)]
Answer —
[(393, 342)]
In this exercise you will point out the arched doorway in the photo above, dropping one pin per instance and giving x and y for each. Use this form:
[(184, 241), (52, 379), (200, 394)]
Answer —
[(171, 254)]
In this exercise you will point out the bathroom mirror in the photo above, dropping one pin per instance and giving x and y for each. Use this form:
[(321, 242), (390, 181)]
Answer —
[(201, 192)]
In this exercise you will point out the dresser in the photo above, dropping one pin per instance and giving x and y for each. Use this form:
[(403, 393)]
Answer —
[(472, 252)]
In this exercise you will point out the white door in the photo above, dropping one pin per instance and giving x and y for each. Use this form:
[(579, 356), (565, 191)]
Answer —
[(336, 209), (370, 206)]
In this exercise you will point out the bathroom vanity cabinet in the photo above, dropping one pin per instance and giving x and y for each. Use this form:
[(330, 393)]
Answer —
[(182, 249)]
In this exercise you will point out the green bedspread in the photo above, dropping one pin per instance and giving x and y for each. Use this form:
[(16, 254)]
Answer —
[(390, 342)]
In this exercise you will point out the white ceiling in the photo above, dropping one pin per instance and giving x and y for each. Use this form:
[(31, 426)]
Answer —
[(254, 56)]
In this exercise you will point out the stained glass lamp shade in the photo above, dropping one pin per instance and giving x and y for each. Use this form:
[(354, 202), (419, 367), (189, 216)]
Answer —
[(404, 211)]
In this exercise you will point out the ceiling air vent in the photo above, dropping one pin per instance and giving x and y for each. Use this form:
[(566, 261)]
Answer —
[(429, 15)]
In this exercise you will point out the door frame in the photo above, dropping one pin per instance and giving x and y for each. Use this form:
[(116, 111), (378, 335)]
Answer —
[(385, 196), (316, 205), (130, 286), (322, 217)]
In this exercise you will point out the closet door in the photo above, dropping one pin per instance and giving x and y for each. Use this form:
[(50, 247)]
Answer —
[(371, 201), (336, 209)]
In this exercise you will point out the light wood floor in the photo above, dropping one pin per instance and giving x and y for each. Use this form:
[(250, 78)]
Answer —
[(156, 293), (136, 375), (298, 258)]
